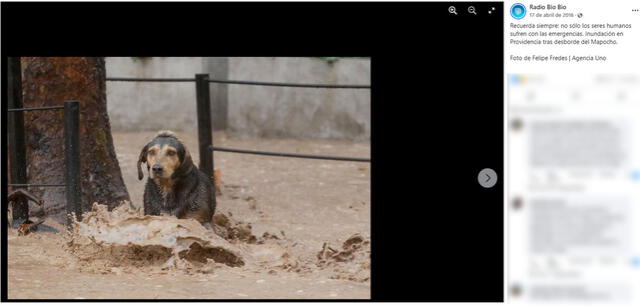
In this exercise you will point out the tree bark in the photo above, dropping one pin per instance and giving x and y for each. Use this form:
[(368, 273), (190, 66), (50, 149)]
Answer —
[(49, 81)]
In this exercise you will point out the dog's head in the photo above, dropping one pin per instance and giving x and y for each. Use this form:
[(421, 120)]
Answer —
[(166, 157)]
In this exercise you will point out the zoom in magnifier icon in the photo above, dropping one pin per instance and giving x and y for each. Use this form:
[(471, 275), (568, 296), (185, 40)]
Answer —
[(452, 10), (472, 10)]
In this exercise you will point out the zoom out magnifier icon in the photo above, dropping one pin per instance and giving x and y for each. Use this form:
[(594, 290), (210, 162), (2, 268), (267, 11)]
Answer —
[(452, 10), (472, 10)]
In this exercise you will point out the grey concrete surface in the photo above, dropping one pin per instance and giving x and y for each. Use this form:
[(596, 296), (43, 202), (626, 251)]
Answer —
[(245, 111)]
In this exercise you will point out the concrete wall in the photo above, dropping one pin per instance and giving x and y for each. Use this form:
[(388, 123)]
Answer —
[(140, 106), (300, 112), (246, 111)]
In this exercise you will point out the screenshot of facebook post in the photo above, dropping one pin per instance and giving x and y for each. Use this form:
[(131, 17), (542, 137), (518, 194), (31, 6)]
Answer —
[(368, 165), (573, 147), (415, 151)]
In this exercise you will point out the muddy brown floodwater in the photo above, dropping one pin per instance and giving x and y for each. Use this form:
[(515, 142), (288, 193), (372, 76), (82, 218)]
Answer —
[(285, 228)]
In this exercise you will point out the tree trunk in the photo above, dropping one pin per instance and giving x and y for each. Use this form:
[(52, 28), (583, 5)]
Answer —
[(51, 81)]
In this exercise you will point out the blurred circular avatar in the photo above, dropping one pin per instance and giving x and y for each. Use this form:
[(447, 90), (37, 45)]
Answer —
[(518, 11)]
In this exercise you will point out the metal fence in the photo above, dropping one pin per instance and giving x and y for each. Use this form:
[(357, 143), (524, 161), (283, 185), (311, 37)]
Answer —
[(240, 82), (72, 139), (18, 150), (204, 118), (203, 100)]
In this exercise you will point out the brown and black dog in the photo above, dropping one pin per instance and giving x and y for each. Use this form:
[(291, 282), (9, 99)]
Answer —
[(175, 185)]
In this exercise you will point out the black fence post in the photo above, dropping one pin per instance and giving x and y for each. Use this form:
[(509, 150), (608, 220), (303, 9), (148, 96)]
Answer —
[(72, 157), (18, 158), (204, 124)]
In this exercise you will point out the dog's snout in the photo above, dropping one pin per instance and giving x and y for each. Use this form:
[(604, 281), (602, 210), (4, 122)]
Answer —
[(157, 168)]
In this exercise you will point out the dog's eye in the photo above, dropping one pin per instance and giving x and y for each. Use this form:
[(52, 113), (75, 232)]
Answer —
[(152, 152), (171, 153)]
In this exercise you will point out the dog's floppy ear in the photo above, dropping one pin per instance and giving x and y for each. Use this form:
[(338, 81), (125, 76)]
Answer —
[(142, 159), (185, 166)]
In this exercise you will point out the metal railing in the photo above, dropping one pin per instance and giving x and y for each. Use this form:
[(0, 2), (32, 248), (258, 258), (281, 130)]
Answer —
[(17, 147), (203, 101), (72, 158), (204, 118), (296, 155), (72, 140), (236, 82)]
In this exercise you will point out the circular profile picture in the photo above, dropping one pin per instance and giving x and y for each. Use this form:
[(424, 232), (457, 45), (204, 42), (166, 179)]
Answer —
[(516, 124), (515, 290), (518, 11), (516, 203)]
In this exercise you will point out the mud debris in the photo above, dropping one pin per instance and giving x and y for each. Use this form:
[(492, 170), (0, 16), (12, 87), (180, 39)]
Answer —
[(124, 240), (281, 194), (225, 226), (358, 206), (228, 228), (126, 237), (352, 262)]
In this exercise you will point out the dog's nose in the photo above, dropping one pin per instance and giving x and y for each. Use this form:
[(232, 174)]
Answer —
[(157, 168)]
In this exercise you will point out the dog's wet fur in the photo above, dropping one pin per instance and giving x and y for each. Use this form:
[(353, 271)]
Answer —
[(175, 185)]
